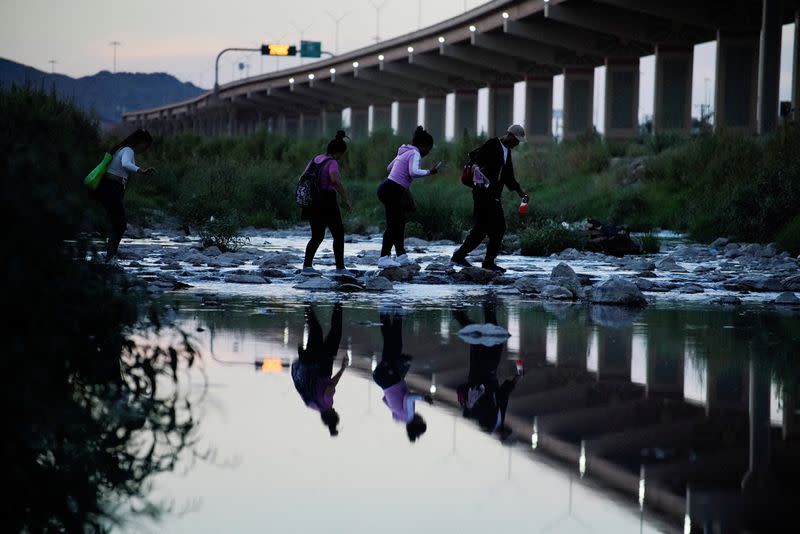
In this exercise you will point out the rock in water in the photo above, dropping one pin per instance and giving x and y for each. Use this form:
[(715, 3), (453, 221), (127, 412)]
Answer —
[(728, 300), (530, 284), (378, 283), (556, 293), (613, 316), (400, 274), (478, 275), (787, 298), (246, 279), (317, 283), (619, 292), (669, 265), (484, 334), (279, 259), (564, 274)]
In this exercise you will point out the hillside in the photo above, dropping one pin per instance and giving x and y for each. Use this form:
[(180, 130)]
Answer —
[(109, 95)]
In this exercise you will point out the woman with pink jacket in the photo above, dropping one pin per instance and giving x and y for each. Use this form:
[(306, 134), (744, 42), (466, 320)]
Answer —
[(394, 192)]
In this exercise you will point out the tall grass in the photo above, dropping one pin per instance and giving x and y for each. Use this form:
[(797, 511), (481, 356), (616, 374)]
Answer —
[(711, 185)]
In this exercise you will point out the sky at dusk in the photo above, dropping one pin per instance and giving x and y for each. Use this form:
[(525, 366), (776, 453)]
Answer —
[(182, 37)]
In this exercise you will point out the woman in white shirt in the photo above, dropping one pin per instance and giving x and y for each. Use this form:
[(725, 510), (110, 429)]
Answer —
[(111, 191)]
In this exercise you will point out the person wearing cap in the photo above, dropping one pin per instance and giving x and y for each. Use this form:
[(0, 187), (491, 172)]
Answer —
[(495, 170)]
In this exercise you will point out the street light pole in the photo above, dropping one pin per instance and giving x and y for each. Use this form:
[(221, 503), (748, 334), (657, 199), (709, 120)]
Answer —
[(52, 66)]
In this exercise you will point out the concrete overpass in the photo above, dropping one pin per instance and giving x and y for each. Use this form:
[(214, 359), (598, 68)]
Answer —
[(509, 41)]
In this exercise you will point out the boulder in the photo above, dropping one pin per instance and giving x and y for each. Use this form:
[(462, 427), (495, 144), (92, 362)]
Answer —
[(751, 249), (273, 273), (647, 274), (700, 269), (245, 279), (416, 242), (792, 283), (569, 254), (640, 265), (564, 274), (691, 289), (503, 280), (619, 292), (554, 292), (477, 275), (212, 251), (400, 274), (530, 284), (279, 259), (440, 267), (719, 243), (669, 265), (770, 250), (378, 283), (432, 279), (787, 298), (644, 284), (728, 300), (484, 334), (317, 283), (755, 282)]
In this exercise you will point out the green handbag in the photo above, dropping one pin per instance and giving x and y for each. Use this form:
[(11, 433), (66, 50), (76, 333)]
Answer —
[(92, 179)]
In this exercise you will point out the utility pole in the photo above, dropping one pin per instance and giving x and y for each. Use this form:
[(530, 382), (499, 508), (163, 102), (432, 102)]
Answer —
[(378, 7), (336, 21), (52, 66), (114, 45)]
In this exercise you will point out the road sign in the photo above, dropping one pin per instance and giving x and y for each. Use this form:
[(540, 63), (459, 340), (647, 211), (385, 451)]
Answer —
[(278, 50), (310, 49)]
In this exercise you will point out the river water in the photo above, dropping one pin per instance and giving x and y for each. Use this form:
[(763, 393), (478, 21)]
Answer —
[(677, 418)]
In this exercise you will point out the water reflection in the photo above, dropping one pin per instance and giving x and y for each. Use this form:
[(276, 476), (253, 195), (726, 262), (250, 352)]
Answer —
[(691, 413), (312, 371), (482, 397), (390, 375)]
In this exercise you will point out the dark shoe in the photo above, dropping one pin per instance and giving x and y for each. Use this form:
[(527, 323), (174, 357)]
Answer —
[(493, 267), (458, 260)]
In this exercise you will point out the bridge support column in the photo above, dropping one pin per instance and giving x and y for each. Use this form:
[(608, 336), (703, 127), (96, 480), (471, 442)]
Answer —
[(466, 113), (381, 118), (578, 110), (539, 109), (407, 118), (359, 123), (769, 66), (622, 98), (435, 114), (293, 126), (672, 109), (501, 109), (280, 125), (796, 69), (232, 123), (737, 81)]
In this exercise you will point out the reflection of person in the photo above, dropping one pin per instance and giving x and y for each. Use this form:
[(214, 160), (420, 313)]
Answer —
[(482, 397), (390, 375), (311, 372)]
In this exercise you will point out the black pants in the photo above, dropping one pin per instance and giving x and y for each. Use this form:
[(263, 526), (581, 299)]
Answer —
[(110, 194), (394, 365), (392, 194), (322, 351), (489, 221), (325, 214)]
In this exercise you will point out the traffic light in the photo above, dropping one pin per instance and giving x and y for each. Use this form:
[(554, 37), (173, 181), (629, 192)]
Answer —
[(310, 49), (278, 50)]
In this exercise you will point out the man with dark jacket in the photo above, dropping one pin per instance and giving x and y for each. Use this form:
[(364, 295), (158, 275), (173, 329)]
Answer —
[(495, 169)]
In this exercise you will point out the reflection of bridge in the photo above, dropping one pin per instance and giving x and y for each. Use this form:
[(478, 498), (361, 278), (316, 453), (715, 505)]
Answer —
[(647, 407), (508, 41)]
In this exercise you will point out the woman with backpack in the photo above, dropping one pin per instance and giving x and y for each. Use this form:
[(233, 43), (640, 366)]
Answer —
[(111, 190), (324, 211), (395, 194)]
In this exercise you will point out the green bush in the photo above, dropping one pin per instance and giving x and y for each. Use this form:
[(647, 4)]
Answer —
[(551, 237), (223, 232), (651, 243), (789, 237)]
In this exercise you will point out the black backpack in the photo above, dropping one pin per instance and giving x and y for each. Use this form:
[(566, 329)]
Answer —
[(307, 189)]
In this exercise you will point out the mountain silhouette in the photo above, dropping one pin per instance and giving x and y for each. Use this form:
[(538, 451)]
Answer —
[(105, 94)]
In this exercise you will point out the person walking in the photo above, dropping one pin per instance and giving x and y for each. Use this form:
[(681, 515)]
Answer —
[(312, 371), (111, 190), (324, 212), (395, 195), (493, 168), (390, 376)]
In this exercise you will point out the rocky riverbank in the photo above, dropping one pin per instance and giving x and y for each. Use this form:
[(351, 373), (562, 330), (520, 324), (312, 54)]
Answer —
[(724, 273)]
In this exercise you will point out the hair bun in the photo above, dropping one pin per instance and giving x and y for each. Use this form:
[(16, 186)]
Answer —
[(340, 134), (419, 129)]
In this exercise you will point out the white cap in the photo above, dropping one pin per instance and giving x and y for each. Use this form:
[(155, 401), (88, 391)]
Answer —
[(517, 131)]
